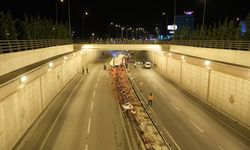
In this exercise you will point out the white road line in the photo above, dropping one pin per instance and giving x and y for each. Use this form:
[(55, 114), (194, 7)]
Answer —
[(91, 108), (89, 124), (196, 125), (175, 106), (94, 94), (172, 139), (86, 147), (98, 79), (220, 147), (54, 123), (95, 85)]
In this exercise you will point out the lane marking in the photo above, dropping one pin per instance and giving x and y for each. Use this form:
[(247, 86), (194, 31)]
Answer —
[(89, 124), (91, 108), (54, 123), (98, 79), (196, 125), (162, 93), (175, 106), (86, 147), (94, 94), (178, 147), (220, 147), (95, 85)]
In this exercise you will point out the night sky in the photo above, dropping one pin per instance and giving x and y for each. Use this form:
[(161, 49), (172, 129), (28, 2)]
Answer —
[(134, 13)]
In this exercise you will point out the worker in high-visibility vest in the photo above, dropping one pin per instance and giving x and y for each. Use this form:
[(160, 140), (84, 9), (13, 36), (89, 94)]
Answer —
[(150, 99)]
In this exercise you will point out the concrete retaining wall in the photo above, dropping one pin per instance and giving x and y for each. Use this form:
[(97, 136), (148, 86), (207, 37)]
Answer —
[(224, 86), (229, 56), (22, 103), (13, 61)]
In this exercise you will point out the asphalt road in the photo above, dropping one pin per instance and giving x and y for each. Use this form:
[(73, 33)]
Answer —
[(88, 119), (189, 125)]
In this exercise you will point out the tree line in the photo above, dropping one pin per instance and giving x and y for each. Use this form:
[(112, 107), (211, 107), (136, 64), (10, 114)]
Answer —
[(226, 30), (31, 28)]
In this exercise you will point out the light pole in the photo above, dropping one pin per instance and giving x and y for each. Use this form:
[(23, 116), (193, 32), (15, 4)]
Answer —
[(204, 13), (122, 28), (69, 18), (56, 10), (167, 18), (84, 14), (174, 16), (109, 27)]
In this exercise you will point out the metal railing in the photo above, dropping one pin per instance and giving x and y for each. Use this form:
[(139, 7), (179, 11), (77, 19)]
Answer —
[(221, 44), (8, 46)]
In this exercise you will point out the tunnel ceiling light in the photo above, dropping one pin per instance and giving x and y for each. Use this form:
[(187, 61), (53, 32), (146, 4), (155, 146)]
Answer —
[(23, 79), (65, 57), (50, 65), (207, 62)]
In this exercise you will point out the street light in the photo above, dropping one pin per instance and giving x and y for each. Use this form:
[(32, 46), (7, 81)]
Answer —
[(56, 10), (109, 27), (84, 14), (69, 18), (165, 14), (204, 13), (174, 16)]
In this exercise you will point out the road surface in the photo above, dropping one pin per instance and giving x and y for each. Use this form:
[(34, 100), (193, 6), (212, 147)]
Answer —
[(189, 124)]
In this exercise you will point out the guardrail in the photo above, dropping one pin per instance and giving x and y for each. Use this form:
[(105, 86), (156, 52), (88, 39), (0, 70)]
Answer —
[(8, 46), (221, 44)]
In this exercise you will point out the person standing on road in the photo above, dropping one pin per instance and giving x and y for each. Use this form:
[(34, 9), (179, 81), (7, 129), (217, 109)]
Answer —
[(83, 70), (141, 85), (150, 99), (87, 69)]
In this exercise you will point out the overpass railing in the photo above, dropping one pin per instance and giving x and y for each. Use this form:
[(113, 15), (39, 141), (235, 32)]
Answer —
[(221, 44), (8, 46)]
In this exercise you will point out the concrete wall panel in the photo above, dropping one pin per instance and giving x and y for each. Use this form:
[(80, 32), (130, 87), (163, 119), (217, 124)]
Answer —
[(195, 79), (230, 94), (174, 70), (229, 56), (13, 61)]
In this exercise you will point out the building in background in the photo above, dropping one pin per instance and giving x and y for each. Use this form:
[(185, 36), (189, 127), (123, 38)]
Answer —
[(185, 21)]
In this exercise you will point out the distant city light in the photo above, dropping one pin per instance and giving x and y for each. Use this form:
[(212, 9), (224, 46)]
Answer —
[(171, 32), (172, 27), (188, 12)]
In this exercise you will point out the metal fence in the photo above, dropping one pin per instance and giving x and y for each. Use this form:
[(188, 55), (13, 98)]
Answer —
[(221, 44), (8, 46)]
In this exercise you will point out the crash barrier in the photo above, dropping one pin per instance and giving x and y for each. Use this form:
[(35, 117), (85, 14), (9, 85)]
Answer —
[(136, 112), (9, 46)]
